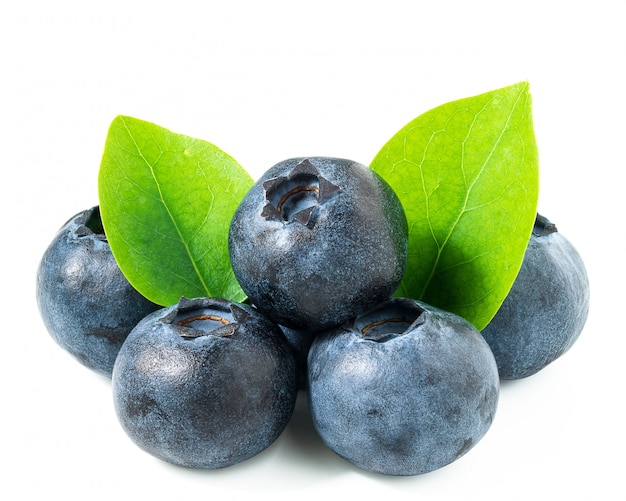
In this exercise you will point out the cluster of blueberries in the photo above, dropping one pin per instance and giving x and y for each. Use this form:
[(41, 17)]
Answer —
[(319, 246)]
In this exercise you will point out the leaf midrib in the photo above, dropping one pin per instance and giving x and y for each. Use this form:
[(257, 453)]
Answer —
[(165, 205), (440, 247)]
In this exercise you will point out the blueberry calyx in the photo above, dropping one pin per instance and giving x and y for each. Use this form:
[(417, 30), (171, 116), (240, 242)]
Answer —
[(295, 196), (194, 318), (543, 226), (90, 225), (389, 321)]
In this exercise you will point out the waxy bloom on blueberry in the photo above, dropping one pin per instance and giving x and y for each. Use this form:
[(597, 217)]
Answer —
[(403, 389), (85, 301), (318, 240), (546, 309), (205, 383)]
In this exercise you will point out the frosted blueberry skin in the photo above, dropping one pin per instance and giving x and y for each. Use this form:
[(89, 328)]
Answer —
[(85, 301), (205, 383), (546, 309), (405, 389), (318, 240)]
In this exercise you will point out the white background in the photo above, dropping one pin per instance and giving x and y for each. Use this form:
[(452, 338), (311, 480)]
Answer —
[(267, 81)]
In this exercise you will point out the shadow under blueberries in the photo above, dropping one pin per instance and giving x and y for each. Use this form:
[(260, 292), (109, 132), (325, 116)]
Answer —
[(316, 462), (302, 441), (299, 442)]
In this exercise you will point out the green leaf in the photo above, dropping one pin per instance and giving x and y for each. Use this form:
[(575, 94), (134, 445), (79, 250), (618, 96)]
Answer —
[(467, 175), (166, 202)]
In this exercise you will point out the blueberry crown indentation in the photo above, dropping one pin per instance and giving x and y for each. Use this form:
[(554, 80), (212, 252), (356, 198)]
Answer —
[(295, 197)]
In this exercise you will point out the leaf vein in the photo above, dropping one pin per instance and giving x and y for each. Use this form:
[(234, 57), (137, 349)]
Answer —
[(177, 228), (471, 185)]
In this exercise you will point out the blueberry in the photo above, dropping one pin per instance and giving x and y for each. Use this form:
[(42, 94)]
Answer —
[(205, 383), (546, 309), (85, 301), (317, 240), (403, 389)]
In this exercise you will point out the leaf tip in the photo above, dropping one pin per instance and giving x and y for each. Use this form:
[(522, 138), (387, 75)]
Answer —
[(522, 87)]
